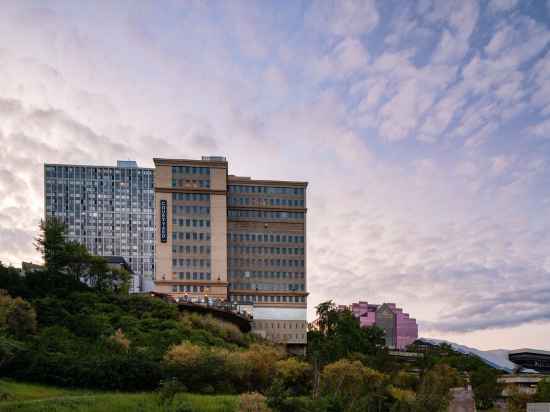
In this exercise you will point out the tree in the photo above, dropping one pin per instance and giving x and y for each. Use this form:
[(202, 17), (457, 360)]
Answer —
[(340, 334), (350, 382), (51, 243), (434, 392), (543, 390), (12, 281), (486, 387), (76, 260), (69, 263), (294, 374), (21, 318)]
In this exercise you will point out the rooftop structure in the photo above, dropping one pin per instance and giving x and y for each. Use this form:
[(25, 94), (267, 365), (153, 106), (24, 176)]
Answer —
[(537, 360)]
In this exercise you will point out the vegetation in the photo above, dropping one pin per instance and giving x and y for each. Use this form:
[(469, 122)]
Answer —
[(40, 398), (74, 325)]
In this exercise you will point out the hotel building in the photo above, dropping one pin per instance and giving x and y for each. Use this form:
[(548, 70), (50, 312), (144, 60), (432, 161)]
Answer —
[(233, 238), (108, 209), (400, 329)]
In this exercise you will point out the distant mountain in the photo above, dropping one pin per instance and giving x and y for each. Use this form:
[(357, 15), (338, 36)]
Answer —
[(497, 358)]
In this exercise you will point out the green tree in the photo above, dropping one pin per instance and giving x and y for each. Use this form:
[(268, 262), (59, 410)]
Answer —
[(12, 281), (486, 387), (339, 335), (51, 243), (352, 385), (543, 390), (433, 395), (21, 318), (69, 263)]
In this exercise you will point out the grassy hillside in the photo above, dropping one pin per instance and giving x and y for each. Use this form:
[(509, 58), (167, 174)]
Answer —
[(24, 397)]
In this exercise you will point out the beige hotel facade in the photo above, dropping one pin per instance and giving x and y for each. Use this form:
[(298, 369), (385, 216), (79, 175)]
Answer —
[(233, 238)]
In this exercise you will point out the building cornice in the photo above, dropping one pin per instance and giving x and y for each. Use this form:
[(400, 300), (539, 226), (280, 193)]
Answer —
[(190, 282), (189, 190), (270, 208), (231, 179), (266, 292), (190, 162)]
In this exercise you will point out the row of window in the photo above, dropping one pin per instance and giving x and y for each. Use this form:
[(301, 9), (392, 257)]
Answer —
[(292, 287), (197, 197), (267, 299), (265, 262), (190, 183), (286, 337), (253, 201), (191, 263), (264, 237), (262, 250), (298, 191), (68, 172), (192, 275), (77, 208), (188, 210), (265, 324), (191, 222), (265, 274), (265, 214), (93, 186), (191, 249), (190, 236), (187, 288), (190, 170)]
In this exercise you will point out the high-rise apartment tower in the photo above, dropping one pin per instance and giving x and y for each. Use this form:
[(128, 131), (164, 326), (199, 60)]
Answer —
[(108, 209)]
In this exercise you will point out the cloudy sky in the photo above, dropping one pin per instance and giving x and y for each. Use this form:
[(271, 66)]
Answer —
[(422, 127)]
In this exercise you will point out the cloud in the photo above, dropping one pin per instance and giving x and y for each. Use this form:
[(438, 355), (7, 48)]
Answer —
[(343, 18), (514, 44), (522, 306), (541, 129), (344, 95), (497, 6)]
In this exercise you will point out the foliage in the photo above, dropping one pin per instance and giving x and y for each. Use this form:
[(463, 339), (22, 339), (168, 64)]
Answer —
[(253, 402), (40, 398), (69, 263), (119, 341), (351, 381), (434, 391), (486, 387), (294, 374), (516, 399), (543, 390), (51, 243), (224, 370), (168, 389), (20, 318), (340, 335)]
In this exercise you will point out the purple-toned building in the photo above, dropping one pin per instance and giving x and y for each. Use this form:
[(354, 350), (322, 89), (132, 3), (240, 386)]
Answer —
[(401, 330)]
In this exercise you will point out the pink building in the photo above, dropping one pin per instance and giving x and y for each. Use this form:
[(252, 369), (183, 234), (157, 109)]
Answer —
[(401, 330)]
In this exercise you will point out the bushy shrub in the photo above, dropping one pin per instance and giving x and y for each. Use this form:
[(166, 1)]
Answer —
[(198, 366), (253, 402), (168, 389), (118, 341), (294, 374)]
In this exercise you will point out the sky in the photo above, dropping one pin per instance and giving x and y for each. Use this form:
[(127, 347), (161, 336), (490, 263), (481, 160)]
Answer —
[(422, 127)]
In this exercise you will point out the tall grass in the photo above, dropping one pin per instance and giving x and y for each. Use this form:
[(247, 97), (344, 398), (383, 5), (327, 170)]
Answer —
[(39, 398)]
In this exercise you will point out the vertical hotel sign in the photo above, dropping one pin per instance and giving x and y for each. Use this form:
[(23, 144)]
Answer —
[(163, 221)]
